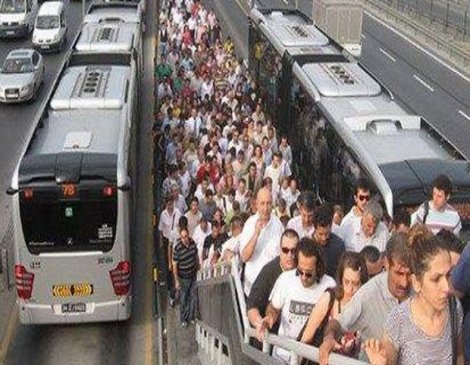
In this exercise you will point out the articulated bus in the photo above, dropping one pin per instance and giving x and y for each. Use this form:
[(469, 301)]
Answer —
[(72, 192), (343, 124)]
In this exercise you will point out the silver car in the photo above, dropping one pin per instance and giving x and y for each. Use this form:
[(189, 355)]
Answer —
[(21, 76)]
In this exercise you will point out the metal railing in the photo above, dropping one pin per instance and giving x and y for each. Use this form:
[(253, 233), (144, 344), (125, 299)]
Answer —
[(213, 346), (452, 16), (420, 33), (229, 272)]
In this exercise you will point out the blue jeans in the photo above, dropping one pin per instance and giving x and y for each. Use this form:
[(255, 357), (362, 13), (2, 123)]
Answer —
[(188, 299)]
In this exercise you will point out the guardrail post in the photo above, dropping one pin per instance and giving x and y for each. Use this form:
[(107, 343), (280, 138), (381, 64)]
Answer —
[(294, 358)]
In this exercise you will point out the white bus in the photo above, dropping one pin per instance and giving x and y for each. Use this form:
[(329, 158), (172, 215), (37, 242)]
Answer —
[(72, 196)]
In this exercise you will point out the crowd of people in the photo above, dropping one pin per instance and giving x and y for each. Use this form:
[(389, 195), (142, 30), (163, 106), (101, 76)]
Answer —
[(357, 284)]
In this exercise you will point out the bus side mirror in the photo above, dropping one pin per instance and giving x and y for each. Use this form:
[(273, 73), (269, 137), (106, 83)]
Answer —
[(11, 191)]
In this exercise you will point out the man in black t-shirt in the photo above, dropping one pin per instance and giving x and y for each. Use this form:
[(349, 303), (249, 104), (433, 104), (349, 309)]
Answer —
[(259, 295), (185, 266), (332, 245), (215, 240)]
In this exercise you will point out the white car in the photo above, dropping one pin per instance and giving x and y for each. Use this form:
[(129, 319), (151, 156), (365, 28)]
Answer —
[(50, 30), (21, 76)]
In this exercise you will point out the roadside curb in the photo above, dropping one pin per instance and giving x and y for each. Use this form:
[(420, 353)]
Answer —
[(10, 332)]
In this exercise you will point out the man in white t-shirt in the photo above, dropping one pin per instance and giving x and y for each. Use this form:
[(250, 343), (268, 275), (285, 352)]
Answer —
[(303, 223), (231, 247), (194, 215), (352, 221), (259, 242), (295, 293), (202, 230), (438, 214)]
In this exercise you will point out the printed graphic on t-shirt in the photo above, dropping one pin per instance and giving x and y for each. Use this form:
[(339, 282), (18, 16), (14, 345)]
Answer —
[(298, 311)]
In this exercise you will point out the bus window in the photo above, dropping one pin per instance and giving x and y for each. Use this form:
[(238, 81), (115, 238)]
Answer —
[(64, 219)]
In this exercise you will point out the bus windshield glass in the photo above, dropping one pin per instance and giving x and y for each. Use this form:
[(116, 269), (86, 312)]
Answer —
[(12, 6), (52, 223)]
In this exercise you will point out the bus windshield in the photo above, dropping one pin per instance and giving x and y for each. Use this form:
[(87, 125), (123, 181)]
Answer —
[(12, 6), (85, 222)]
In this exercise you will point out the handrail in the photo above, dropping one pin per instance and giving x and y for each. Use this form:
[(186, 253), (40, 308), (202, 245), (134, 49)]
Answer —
[(298, 350), (460, 56)]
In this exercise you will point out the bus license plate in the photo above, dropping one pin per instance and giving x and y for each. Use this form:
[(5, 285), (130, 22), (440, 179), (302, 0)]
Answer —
[(73, 308), (10, 32)]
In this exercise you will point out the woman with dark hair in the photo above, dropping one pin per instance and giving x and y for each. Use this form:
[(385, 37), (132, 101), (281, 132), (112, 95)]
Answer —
[(427, 328), (352, 274)]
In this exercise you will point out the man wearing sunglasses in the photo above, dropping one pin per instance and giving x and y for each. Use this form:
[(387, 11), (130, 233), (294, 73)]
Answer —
[(352, 220), (259, 296), (295, 293)]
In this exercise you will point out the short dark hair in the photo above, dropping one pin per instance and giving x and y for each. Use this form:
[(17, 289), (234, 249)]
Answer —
[(362, 184), (290, 233), (371, 253), (401, 216), (183, 222), (453, 242), (309, 248), (194, 199), (307, 200), (442, 182), (323, 216)]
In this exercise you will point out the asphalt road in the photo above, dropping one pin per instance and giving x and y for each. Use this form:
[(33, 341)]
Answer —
[(131, 342), (418, 81), (17, 119)]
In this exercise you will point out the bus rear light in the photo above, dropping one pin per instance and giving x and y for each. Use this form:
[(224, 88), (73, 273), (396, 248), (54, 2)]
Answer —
[(28, 193), (24, 282), (108, 191), (121, 278)]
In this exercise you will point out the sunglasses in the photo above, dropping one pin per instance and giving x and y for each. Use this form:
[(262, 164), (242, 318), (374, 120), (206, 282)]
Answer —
[(286, 250), (299, 272), (364, 197)]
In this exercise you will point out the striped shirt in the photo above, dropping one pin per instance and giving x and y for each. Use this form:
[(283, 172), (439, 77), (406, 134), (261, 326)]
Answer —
[(186, 258), (448, 218)]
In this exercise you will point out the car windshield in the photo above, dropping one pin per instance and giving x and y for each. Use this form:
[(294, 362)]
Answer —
[(12, 6), (17, 66), (47, 22)]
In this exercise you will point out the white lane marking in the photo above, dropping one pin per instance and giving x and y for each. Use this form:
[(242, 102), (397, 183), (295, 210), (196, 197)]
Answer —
[(388, 55), (422, 82), (434, 57), (463, 114), (363, 36)]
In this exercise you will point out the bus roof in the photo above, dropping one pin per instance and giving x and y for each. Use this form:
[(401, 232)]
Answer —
[(87, 112), (117, 36), (105, 12), (289, 31)]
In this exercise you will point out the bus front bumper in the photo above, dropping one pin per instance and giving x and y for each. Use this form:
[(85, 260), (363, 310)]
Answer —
[(117, 310)]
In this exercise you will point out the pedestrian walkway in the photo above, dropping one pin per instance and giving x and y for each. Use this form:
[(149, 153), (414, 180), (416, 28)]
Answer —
[(181, 342)]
